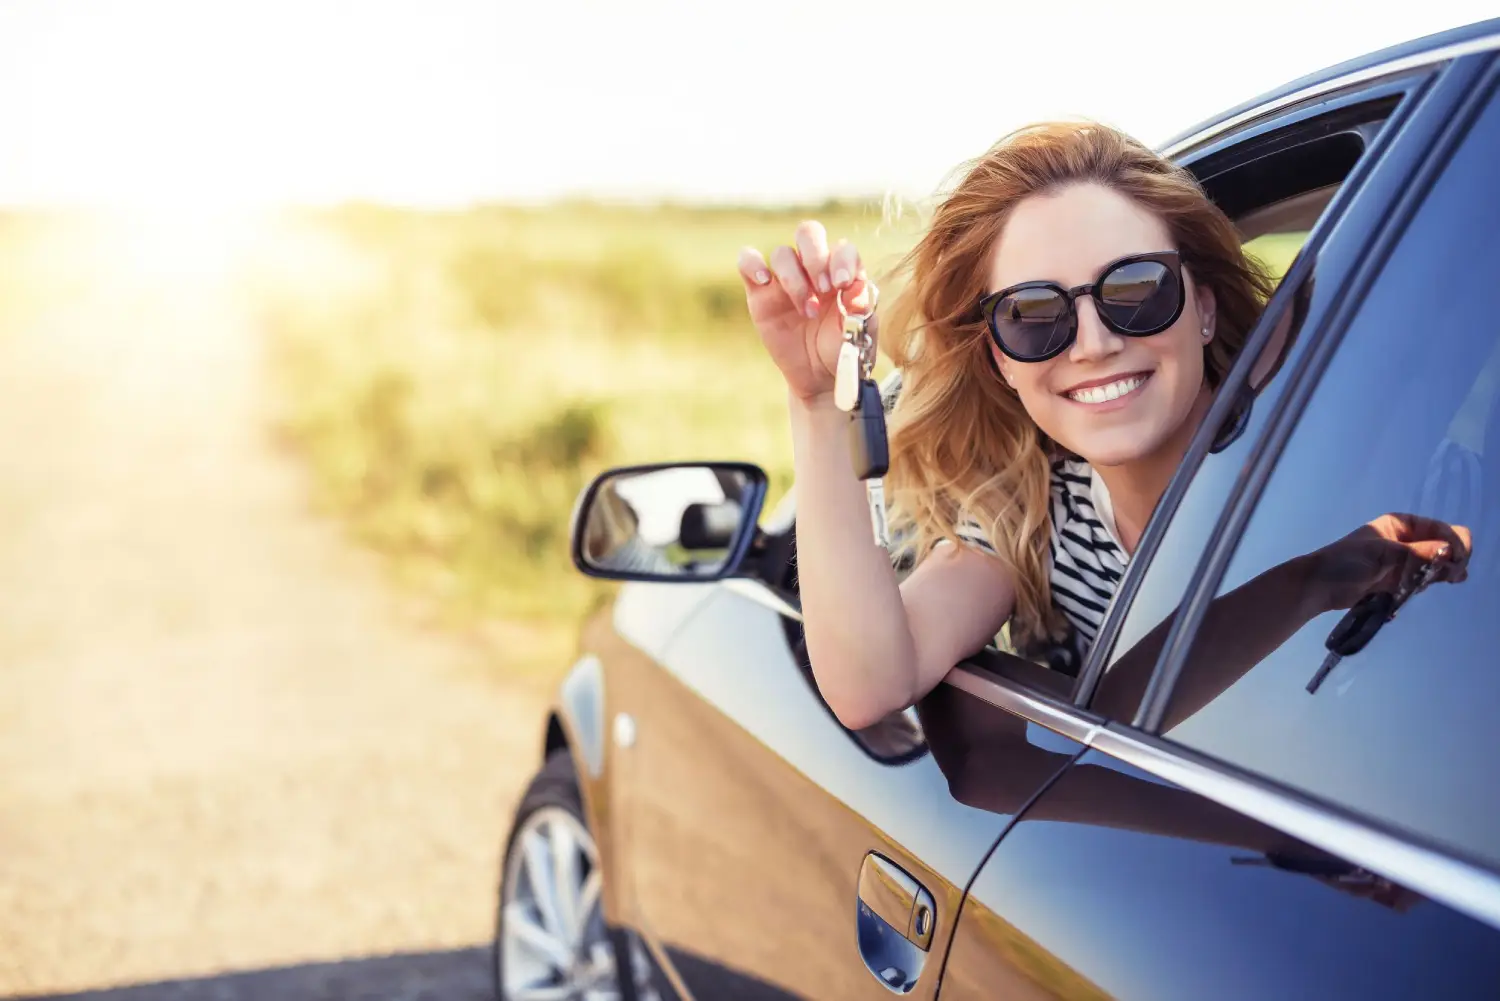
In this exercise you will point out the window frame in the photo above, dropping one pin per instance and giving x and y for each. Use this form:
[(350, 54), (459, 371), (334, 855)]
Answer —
[(1479, 76)]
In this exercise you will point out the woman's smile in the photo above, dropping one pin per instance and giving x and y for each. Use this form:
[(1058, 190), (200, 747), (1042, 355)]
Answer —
[(1110, 392)]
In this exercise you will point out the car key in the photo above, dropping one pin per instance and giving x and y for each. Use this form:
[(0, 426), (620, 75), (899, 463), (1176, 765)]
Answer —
[(856, 355), (847, 372), (1360, 624), (869, 448), (869, 452)]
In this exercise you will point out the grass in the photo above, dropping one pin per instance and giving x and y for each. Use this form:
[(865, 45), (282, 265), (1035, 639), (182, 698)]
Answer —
[(455, 379)]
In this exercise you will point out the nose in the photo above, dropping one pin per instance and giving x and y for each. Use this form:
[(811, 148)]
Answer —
[(1094, 340)]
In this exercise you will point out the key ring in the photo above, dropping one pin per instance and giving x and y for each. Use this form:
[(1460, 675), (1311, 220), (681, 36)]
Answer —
[(857, 328)]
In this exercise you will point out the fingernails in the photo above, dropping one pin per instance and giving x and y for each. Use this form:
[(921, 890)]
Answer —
[(823, 285), (841, 278), (812, 308), (762, 277)]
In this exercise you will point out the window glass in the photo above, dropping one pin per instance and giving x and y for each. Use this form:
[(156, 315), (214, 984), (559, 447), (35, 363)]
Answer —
[(1405, 421), (1277, 232)]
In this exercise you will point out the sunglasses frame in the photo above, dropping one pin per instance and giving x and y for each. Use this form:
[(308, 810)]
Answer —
[(1171, 259)]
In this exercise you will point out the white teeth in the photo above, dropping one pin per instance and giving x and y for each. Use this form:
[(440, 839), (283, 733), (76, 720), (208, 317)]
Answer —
[(1105, 393)]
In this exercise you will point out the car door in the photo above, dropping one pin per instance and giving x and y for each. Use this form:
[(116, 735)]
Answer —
[(1250, 834), (768, 852)]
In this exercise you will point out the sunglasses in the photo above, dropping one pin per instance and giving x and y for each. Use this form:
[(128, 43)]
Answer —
[(1137, 296)]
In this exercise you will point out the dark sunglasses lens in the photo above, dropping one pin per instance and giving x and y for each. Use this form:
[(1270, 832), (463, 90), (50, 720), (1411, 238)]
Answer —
[(1141, 297), (1032, 322)]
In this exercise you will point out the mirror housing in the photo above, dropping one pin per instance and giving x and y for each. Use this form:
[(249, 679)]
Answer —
[(691, 522)]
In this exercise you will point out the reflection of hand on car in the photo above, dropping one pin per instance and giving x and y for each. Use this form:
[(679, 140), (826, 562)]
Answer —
[(1381, 555), (1244, 626)]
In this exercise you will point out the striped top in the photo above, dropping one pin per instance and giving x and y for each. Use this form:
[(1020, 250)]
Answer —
[(636, 556), (1086, 557)]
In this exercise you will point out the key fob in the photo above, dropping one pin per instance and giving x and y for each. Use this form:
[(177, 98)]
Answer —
[(1360, 624), (869, 451)]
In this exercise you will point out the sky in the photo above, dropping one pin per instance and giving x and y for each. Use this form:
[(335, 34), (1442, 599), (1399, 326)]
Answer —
[(450, 102)]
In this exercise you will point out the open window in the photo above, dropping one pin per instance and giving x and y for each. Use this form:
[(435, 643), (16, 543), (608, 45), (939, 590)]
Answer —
[(1277, 184), (1276, 179)]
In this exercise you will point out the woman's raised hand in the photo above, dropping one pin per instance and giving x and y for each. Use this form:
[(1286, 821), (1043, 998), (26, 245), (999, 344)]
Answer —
[(798, 301)]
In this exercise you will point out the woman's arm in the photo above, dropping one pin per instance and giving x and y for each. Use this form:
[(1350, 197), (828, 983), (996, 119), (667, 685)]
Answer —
[(877, 647)]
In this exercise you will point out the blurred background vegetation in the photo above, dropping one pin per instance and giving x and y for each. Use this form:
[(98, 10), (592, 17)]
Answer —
[(455, 379), (452, 380)]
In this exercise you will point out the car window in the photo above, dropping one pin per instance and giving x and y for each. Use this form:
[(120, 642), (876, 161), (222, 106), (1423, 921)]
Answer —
[(1275, 233), (1405, 421)]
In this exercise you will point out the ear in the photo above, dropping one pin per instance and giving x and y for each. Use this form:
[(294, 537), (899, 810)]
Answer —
[(1208, 314), (1002, 364)]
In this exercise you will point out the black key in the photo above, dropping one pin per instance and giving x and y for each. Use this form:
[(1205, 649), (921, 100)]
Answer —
[(869, 449)]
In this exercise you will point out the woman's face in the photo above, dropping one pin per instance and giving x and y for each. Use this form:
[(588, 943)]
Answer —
[(1068, 237)]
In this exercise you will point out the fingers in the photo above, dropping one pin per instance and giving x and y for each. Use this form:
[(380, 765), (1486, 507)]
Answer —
[(753, 268), (787, 268), (809, 273), (1427, 539), (812, 245), (844, 267)]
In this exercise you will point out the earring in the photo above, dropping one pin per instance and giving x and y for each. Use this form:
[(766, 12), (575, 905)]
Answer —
[(1207, 332)]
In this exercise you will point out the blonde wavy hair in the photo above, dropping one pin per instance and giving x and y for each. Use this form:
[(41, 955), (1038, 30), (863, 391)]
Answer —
[(961, 442)]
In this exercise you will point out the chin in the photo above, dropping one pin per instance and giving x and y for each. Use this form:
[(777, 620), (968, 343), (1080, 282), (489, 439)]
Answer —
[(1113, 447)]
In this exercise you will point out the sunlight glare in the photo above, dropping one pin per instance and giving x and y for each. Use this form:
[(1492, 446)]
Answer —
[(180, 242)]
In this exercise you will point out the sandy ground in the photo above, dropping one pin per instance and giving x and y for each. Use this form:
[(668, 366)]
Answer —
[(233, 763)]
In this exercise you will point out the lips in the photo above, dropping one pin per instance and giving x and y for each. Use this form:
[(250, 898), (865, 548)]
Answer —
[(1106, 390)]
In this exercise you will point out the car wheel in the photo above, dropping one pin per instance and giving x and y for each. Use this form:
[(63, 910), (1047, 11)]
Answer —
[(550, 939)]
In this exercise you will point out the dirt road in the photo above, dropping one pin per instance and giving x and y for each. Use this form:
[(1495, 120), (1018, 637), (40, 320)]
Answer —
[(231, 764)]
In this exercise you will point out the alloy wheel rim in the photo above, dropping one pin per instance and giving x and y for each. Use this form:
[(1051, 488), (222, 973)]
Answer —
[(553, 944)]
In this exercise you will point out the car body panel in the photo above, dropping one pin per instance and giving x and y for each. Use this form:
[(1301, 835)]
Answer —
[(750, 810), (1116, 884)]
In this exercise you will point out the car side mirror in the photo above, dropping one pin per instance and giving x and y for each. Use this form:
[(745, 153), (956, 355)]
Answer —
[(666, 522)]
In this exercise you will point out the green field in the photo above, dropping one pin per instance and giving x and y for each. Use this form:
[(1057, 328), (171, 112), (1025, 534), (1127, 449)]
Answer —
[(456, 379)]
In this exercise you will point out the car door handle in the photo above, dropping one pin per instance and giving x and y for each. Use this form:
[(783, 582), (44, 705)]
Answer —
[(895, 917)]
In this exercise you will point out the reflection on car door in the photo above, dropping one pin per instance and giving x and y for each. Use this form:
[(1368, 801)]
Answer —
[(1119, 885), (752, 815)]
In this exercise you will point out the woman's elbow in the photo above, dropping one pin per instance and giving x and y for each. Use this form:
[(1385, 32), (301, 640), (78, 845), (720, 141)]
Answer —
[(861, 710)]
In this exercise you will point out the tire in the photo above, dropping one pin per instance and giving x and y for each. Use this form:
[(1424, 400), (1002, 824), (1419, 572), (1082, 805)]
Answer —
[(544, 939)]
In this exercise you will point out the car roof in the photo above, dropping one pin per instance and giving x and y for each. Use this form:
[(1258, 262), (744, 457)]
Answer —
[(1476, 32)]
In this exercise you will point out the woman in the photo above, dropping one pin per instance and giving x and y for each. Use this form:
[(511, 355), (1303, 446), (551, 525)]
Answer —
[(1067, 317), (612, 539)]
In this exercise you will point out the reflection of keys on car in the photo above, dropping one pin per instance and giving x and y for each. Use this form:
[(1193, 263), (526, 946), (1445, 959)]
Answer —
[(1360, 624)]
